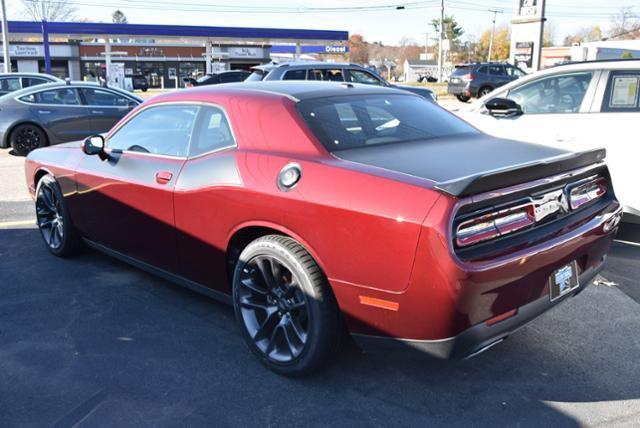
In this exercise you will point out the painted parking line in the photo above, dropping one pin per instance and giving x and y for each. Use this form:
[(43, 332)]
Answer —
[(8, 224)]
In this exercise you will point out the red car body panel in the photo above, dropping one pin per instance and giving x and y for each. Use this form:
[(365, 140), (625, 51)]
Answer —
[(379, 236)]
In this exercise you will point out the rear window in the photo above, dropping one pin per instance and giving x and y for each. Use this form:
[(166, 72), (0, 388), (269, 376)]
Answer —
[(461, 71), (348, 122)]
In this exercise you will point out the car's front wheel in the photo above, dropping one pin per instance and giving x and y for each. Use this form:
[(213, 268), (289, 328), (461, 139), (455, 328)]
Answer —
[(285, 307), (53, 219), (27, 137)]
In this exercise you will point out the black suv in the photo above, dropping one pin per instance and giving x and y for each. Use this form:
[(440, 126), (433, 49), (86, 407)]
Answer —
[(478, 79), (331, 72), (230, 76)]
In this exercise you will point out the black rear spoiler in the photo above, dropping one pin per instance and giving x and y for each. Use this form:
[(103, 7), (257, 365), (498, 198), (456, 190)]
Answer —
[(492, 180)]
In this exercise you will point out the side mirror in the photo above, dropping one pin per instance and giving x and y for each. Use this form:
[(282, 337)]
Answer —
[(94, 145), (503, 107)]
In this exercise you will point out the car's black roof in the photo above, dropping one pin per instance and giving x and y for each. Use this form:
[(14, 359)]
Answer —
[(304, 89)]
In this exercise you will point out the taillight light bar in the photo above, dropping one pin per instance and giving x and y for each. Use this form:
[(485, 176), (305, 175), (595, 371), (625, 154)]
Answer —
[(587, 192), (496, 224)]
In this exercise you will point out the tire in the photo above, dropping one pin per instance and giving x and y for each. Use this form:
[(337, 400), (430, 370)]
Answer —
[(463, 98), (144, 89), (58, 232), (484, 91), (284, 306), (27, 137)]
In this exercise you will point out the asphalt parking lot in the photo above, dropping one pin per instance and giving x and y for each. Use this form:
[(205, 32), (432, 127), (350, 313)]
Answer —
[(91, 341)]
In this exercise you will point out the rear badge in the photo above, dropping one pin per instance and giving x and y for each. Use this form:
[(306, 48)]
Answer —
[(563, 281)]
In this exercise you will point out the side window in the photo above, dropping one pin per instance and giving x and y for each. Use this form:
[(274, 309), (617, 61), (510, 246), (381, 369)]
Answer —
[(332, 75), (212, 132), (483, 70), (99, 97), (556, 94), (622, 90), (496, 70), (161, 130), (9, 84), (32, 81), (359, 76), (65, 96), (295, 75)]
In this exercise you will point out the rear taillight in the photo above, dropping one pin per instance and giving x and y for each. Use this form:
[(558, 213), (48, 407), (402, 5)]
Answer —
[(493, 225), (587, 192), (468, 77)]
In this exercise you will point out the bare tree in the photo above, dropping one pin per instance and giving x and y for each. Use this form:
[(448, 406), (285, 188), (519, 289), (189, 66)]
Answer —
[(118, 17), (58, 10), (625, 25)]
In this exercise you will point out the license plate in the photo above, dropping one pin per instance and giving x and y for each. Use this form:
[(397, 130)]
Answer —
[(563, 281)]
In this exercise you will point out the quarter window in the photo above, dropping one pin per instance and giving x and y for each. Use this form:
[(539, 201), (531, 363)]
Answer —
[(359, 76), (99, 97), (622, 94), (557, 94), (161, 130), (10, 84), (212, 132)]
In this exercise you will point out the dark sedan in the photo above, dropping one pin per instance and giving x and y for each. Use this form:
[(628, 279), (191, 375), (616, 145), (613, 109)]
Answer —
[(58, 112), (231, 76)]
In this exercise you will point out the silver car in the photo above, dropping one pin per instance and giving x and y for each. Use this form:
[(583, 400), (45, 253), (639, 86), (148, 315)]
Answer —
[(55, 113)]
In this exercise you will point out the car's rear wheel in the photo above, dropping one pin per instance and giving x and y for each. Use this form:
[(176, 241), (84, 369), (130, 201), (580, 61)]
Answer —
[(484, 91), (463, 98), (27, 137), (54, 222), (285, 307)]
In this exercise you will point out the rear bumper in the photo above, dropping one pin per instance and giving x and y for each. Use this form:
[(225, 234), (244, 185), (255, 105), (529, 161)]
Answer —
[(458, 89), (479, 337)]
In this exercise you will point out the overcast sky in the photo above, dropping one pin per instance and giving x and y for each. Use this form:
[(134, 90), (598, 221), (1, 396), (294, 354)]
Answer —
[(386, 25)]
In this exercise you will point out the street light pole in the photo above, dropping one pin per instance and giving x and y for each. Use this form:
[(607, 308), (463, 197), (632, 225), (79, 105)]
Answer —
[(493, 30), (5, 39), (440, 50)]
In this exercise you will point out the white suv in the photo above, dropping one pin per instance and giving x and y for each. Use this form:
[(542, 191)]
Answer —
[(575, 106)]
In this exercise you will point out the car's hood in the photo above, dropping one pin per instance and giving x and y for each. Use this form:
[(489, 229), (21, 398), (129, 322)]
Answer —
[(455, 163)]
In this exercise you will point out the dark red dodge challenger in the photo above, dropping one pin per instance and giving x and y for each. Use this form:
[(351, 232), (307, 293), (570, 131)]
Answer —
[(319, 208)]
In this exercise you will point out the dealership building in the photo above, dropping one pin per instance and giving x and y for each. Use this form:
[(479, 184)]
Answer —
[(165, 54)]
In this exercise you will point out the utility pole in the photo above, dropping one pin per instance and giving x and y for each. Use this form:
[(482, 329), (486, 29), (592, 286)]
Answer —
[(5, 39), (493, 30), (440, 50)]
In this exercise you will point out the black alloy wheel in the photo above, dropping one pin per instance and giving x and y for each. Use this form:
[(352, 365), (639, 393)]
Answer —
[(274, 308), (25, 138), (53, 219), (285, 307)]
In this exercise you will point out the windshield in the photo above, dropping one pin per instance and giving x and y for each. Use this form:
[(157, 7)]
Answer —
[(256, 76), (348, 122)]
